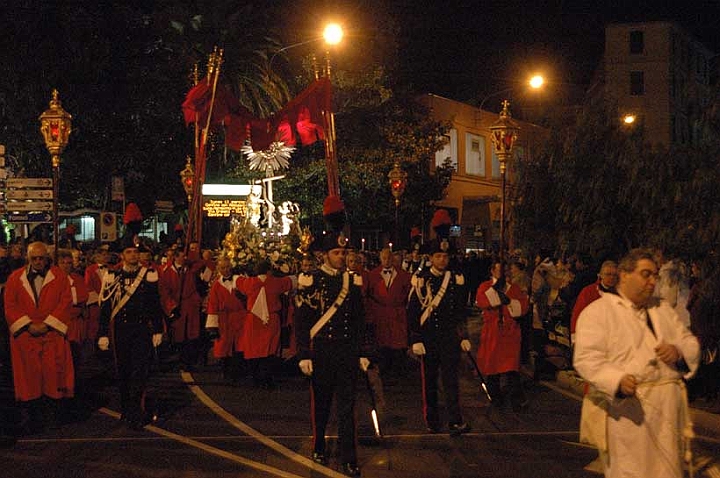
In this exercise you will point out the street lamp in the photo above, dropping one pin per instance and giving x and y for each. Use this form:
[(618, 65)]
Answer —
[(503, 134), (55, 126), (332, 35), (535, 82), (187, 177), (397, 178)]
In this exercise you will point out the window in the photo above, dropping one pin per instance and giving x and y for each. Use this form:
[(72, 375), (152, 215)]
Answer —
[(637, 42), (637, 83), (474, 154), (449, 150)]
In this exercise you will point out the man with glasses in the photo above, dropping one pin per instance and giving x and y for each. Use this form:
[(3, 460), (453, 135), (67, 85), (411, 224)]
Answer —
[(38, 301), (634, 352)]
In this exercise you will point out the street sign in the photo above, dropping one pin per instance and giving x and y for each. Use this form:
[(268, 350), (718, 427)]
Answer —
[(29, 194), (29, 206), (30, 217), (29, 183)]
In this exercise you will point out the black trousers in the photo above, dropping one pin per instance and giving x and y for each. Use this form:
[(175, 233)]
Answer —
[(133, 351), (441, 361), (335, 371)]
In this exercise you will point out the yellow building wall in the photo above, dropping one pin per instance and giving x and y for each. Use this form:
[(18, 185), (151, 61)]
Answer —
[(476, 198)]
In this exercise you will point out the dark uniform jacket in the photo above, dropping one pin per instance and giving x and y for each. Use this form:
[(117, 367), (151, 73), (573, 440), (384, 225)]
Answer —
[(317, 292), (445, 319), (142, 307)]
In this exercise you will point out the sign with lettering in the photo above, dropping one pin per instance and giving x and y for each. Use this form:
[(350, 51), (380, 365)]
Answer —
[(29, 206), (29, 194), (30, 217), (224, 207), (29, 183)]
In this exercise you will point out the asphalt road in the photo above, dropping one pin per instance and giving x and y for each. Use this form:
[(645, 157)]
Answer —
[(208, 427)]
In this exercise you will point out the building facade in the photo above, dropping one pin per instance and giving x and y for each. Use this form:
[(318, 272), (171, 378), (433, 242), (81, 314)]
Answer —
[(660, 74), (474, 194)]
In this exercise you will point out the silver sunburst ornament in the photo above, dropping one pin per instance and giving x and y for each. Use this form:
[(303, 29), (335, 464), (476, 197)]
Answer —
[(274, 158)]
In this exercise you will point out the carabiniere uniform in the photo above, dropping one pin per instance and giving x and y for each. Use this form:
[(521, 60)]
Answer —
[(130, 314), (334, 350), (441, 332)]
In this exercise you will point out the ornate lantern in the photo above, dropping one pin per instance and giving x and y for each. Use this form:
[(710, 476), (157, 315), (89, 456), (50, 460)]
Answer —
[(504, 134), (397, 178), (55, 126), (187, 176)]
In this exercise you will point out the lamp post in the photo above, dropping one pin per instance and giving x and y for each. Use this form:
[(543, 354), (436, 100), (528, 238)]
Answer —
[(503, 134), (397, 178), (55, 126), (187, 177), (332, 35)]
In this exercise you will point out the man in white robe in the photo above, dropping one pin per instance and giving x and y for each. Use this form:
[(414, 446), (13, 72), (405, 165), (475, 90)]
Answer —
[(634, 351)]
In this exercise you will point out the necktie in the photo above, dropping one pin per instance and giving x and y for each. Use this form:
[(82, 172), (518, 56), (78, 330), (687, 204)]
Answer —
[(33, 274), (387, 276)]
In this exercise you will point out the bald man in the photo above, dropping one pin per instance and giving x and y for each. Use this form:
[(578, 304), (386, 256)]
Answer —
[(38, 301)]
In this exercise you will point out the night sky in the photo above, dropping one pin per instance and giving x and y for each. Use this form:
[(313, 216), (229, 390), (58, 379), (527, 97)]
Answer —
[(465, 50)]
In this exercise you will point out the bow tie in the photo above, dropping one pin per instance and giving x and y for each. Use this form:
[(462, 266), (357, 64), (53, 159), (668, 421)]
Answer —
[(227, 279), (33, 274), (387, 271)]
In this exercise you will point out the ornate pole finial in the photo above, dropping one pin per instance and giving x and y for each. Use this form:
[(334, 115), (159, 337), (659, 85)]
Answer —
[(505, 113)]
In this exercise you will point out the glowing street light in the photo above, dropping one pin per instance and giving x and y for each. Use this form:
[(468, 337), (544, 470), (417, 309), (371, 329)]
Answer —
[(536, 82), (629, 119), (333, 34)]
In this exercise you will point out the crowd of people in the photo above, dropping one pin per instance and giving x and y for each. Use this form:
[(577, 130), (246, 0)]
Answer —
[(341, 312)]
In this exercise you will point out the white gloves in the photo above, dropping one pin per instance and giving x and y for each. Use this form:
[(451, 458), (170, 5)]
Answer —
[(103, 343), (465, 345), (418, 348), (306, 366), (364, 364), (156, 340)]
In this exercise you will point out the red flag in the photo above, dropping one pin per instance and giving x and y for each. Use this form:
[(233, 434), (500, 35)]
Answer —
[(306, 111), (285, 133), (196, 101), (197, 104)]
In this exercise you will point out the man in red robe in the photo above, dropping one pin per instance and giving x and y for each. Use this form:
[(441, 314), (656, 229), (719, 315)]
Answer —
[(94, 275), (37, 308), (226, 314), (387, 295), (502, 305), (76, 326), (607, 280), (261, 334), (181, 303)]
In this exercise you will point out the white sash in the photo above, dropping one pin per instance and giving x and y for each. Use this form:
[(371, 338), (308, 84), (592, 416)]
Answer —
[(333, 308), (128, 292), (260, 307), (436, 300)]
